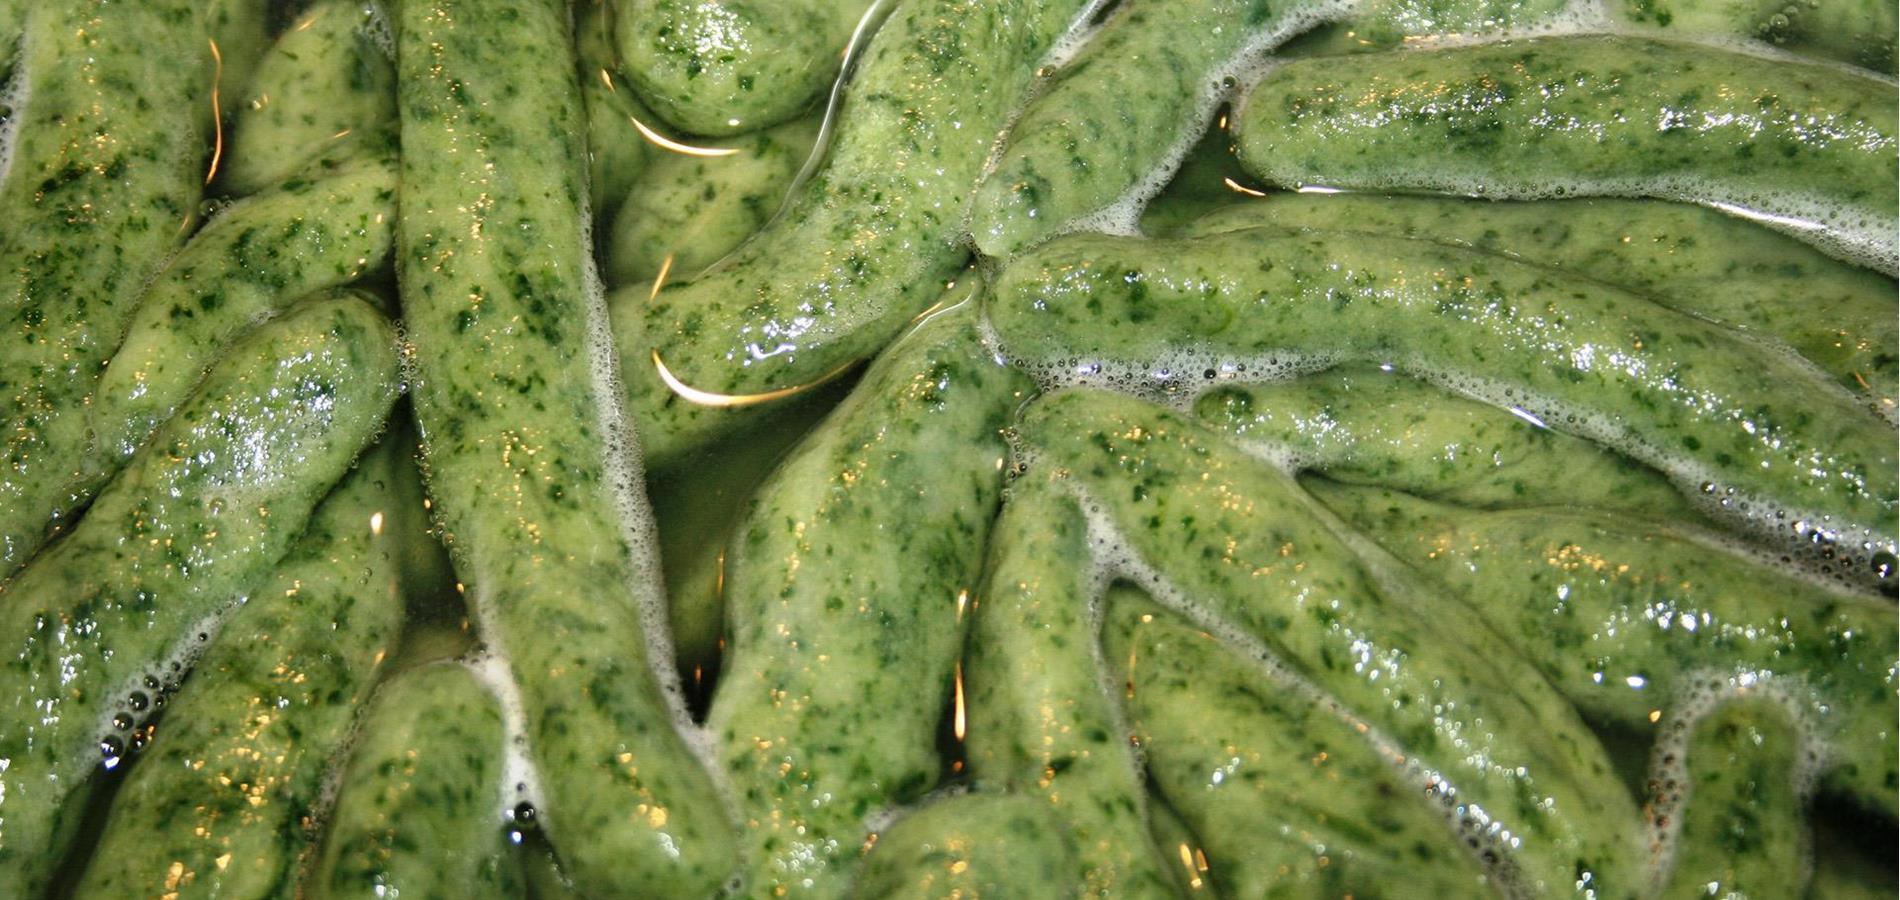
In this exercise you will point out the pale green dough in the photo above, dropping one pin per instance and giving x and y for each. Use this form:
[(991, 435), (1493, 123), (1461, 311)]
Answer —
[(1041, 722), (1362, 425), (87, 222), (1807, 149), (192, 524), (692, 210), (1839, 316), (1744, 833), (1250, 555), (1621, 612), (223, 789), (305, 236), (1285, 796), (498, 299), (842, 586), (974, 847), (325, 79), (419, 810), (723, 67), (1732, 417), (870, 240)]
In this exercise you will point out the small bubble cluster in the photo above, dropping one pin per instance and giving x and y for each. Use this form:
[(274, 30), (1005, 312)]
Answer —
[(130, 722), (1697, 698), (376, 28), (14, 92), (1174, 379)]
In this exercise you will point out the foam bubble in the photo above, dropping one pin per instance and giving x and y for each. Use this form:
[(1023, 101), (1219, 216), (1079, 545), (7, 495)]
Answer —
[(126, 724), (521, 780), (1173, 379), (1094, 16), (1698, 697), (376, 28), (14, 94)]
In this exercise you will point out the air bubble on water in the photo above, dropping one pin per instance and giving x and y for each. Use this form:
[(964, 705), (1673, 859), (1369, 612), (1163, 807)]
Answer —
[(521, 821), (111, 751), (375, 27), (1175, 378), (15, 93), (143, 695)]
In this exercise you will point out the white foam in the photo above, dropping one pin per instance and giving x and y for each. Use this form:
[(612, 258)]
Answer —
[(1697, 698), (521, 780), (1482, 832), (14, 94), (1094, 16), (626, 484), (1172, 379), (626, 480)]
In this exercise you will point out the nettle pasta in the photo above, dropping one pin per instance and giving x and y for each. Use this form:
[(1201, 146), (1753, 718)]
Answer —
[(947, 448)]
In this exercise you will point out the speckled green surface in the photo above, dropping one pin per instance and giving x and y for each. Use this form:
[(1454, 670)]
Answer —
[(872, 237), (1137, 89), (1581, 116), (1583, 356), (416, 815), (106, 175), (324, 80), (492, 265), (1285, 796), (721, 67), (1238, 540), (1684, 257), (230, 796), (189, 527), (1363, 425), (847, 591)]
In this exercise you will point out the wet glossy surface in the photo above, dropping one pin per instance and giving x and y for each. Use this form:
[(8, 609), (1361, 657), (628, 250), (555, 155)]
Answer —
[(203, 513), (1675, 391), (1347, 632), (1807, 149)]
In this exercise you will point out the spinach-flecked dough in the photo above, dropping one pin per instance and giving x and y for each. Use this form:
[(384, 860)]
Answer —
[(191, 526), (847, 595), (874, 235), (1805, 148), (1727, 418), (537, 491), (229, 789)]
